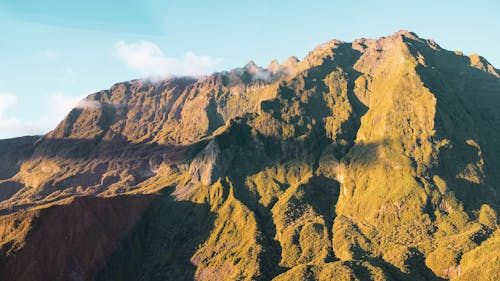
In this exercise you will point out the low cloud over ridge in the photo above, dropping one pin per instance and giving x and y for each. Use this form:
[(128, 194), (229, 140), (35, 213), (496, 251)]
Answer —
[(148, 59)]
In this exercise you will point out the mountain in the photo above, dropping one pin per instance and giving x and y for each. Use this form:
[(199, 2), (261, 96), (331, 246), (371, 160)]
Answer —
[(372, 160)]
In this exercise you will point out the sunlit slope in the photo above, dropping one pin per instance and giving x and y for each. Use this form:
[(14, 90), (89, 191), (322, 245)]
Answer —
[(372, 160)]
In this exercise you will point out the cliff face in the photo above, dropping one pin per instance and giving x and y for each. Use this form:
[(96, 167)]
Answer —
[(376, 159)]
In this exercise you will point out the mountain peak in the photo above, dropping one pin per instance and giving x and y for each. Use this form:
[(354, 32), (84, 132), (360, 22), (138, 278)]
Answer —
[(407, 34), (251, 65), (288, 66)]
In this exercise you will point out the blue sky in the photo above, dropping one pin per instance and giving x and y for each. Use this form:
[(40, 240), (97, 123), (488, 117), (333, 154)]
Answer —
[(55, 52)]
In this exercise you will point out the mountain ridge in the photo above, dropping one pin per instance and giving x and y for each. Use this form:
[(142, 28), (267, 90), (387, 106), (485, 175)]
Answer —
[(366, 160)]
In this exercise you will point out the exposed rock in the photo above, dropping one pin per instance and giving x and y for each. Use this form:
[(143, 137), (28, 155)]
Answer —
[(209, 164)]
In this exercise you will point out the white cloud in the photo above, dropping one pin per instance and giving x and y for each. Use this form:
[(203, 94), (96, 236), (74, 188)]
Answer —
[(59, 105), (148, 59), (85, 103), (262, 74)]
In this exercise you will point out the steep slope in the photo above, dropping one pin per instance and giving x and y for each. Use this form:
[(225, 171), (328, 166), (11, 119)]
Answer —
[(371, 160), (12, 154), (68, 242)]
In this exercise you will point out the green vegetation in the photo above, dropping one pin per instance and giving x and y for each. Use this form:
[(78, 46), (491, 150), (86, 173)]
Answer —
[(376, 160)]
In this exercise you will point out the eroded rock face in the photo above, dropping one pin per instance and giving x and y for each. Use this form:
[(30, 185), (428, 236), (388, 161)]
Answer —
[(377, 159), (209, 165)]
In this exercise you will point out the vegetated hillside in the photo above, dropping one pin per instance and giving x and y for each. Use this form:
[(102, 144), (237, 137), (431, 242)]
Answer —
[(372, 160)]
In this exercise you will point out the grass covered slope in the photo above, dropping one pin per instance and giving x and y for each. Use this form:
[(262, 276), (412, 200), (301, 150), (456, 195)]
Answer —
[(372, 160)]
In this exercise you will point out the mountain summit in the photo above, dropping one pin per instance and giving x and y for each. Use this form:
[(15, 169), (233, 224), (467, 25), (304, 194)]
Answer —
[(372, 160)]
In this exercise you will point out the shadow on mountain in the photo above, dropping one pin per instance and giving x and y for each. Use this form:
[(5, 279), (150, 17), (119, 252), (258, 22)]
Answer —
[(93, 159), (251, 156), (414, 263), (127, 237), (467, 115), (162, 243), (71, 241), (13, 152), (98, 148)]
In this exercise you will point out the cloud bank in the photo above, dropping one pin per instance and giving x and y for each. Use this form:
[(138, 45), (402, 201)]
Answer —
[(148, 59)]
